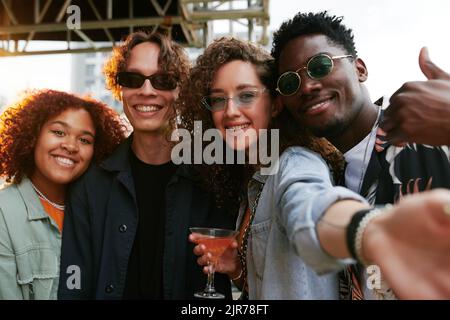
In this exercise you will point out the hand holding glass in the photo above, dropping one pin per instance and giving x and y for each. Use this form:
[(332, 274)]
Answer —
[(216, 241)]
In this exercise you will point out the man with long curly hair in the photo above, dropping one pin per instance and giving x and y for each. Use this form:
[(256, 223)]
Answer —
[(128, 219), (48, 140)]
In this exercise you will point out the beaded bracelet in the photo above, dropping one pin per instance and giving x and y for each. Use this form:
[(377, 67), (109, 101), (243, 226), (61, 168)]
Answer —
[(356, 228), (352, 228)]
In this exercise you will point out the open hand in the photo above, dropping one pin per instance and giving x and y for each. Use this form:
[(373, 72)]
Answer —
[(411, 245)]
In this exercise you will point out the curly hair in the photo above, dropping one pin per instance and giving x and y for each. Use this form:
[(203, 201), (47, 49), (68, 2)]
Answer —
[(227, 181), (313, 23), (20, 126), (172, 58)]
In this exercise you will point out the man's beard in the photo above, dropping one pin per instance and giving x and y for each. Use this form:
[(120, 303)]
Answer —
[(335, 128)]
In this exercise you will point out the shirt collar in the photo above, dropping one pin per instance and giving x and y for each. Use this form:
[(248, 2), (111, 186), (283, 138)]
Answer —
[(31, 200)]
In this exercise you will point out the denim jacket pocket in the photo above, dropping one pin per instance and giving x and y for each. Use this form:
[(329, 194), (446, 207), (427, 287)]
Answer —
[(38, 273), (258, 237)]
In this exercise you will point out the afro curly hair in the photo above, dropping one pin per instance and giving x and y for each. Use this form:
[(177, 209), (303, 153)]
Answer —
[(20, 126), (313, 23)]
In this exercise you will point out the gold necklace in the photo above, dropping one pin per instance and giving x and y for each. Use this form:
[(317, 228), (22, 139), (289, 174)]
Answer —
[(243, 248)]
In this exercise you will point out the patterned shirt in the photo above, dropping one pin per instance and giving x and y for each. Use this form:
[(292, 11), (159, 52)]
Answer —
[(394, 172)]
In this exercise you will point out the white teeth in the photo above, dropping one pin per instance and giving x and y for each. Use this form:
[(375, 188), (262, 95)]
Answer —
[(147, 108), (318, 105), (65, 161), (240, 127)]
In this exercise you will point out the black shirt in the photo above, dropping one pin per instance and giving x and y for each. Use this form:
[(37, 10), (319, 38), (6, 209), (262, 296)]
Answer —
[(144, 274)]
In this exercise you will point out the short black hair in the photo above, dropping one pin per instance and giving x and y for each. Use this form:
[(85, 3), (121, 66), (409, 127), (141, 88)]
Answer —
[(313, 23)]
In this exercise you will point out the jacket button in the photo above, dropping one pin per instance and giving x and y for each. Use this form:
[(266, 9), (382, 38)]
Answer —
[(123, 228), (109, 288)]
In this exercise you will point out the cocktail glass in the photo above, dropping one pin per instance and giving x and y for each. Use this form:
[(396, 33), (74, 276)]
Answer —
[(216, 241)]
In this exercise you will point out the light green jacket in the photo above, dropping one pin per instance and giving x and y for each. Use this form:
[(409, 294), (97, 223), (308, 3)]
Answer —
[(30, 245)]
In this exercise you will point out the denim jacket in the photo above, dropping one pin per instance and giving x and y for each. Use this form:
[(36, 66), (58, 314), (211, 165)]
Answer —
[(30, 245), (284, 256)]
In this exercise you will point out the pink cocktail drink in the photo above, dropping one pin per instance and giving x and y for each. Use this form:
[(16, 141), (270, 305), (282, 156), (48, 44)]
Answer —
[(216, 246), (216, 241)]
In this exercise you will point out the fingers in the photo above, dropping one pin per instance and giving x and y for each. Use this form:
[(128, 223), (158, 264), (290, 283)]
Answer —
[(193, 237), (199, 250), (395, 102), (387, 125), (446, 209), (429, 68), (396, 138), (204, 259)]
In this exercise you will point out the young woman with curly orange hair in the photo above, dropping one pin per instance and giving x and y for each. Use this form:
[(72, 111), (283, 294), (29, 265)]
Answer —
[(48, 140)]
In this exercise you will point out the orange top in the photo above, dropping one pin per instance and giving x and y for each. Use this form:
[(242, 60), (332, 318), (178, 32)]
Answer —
[(56, 214)]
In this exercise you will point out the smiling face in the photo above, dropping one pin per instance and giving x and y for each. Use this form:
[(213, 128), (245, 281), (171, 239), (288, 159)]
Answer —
[(148, 109), (329, 105), (239, 79), (64, 148)]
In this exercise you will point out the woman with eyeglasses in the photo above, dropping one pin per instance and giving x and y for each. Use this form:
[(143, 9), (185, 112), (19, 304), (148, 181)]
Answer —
[(288, 233), (48, 140), (231, 89)]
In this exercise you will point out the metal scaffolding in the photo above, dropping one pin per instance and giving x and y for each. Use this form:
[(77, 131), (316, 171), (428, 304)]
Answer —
[(101, 23)]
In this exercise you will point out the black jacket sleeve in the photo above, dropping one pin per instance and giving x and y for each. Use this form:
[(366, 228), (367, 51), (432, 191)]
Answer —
[(76, 268)]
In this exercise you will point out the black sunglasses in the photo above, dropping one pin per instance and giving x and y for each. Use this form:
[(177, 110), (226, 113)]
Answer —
[(159, 81), (318, 67)]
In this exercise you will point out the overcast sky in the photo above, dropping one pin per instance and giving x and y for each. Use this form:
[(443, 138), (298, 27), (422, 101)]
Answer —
[(388, 36)]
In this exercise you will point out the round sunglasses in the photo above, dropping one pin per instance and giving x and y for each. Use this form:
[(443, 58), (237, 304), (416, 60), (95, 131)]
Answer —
[(318, 67), (159, 81)]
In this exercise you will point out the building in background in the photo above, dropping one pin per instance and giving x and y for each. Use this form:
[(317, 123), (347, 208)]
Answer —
[(87, 77), (87, 68), (87, 74), (3, 102)]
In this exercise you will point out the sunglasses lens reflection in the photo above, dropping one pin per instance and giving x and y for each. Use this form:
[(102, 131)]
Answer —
[(289, 83), (319, 66), (130, 80), (164, 82)]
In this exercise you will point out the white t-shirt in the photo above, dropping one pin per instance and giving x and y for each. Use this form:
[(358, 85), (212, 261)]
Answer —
[(357, 159)]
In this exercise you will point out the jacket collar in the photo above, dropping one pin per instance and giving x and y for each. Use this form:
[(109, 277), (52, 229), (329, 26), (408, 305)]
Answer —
[(31, 200), (120, 161), (372, 173), (259, 177)]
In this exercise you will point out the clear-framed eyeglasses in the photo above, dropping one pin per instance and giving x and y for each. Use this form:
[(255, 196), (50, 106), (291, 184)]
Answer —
[(244, 98)]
